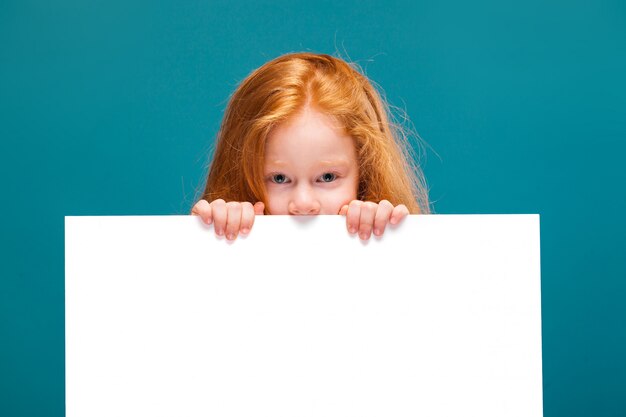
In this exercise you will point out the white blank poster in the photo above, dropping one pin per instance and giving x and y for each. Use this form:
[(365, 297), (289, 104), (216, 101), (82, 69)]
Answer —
[(439, 317)]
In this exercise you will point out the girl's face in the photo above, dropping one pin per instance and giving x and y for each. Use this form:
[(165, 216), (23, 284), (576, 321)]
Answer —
[(310, 166)]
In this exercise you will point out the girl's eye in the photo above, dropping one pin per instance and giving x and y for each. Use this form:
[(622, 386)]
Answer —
[(328, 177), (279, 178)]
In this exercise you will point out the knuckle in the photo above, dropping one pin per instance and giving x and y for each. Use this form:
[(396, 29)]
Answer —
[(199, 207), (382, 218), (247, 216), (233, 207), (365, 227), (370, 205), (402, 209)]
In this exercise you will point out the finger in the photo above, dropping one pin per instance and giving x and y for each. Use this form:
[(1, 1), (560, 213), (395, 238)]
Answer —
[(247, 217), (353, 215), (219, 212), (259, 208), (233, 219), (398, 214), (366, 223), (343, 210), (203, 209), (385, 208)]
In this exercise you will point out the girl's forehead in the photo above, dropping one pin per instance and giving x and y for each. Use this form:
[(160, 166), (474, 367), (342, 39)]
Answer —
[(308, 138), (306, 124), (310, 150)]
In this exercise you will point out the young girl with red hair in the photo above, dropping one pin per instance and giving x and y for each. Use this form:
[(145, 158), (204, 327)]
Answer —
[(308, 134)]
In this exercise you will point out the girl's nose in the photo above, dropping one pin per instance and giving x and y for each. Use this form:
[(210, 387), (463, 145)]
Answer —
[(304, 203)]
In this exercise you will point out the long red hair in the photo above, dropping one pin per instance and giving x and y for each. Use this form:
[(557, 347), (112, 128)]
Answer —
[(280, 88)]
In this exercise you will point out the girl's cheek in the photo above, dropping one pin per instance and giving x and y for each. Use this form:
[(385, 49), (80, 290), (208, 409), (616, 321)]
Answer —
[(339, 201), (276, 205)]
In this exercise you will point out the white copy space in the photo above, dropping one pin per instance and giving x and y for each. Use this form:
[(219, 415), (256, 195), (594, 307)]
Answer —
[(440, 317)]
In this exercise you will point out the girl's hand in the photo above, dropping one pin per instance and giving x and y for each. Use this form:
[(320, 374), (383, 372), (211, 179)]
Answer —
[(365, 216), (228, 219)]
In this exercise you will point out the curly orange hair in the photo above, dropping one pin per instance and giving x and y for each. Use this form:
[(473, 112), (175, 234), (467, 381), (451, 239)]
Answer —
[(280, 88)]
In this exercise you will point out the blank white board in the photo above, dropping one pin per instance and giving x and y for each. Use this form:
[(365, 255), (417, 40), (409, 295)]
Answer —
[(439, 317)]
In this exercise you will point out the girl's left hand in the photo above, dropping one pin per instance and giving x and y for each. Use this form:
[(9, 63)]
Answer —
[(365, 216)]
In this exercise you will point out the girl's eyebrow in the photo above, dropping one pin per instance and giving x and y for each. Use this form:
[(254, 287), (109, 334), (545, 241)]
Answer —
[(327, 163), (335, 162), (277, 163)]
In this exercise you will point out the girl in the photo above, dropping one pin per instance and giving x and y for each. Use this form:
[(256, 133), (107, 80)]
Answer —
[(308, 134)]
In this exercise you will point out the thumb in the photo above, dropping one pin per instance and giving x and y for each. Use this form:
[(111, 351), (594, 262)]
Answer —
[(259, 208), (343, 210)]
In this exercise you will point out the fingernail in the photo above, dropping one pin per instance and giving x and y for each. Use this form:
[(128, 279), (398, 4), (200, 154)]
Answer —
[(245, 231), (219, 232), (230, 236), (377, 232), (363, 236), (352, 230), (209, 221)]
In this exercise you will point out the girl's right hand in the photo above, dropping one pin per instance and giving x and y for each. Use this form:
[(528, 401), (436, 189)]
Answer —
[(228, 219)]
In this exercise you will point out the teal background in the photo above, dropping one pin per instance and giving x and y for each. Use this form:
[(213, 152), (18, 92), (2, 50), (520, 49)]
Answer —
[(110, 107)]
